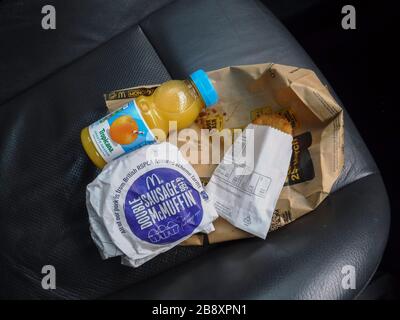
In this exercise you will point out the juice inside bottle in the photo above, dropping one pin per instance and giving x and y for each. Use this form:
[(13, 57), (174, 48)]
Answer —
[(137, 123)]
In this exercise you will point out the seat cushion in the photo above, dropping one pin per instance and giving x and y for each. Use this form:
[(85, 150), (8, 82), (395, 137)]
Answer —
[(44, 171)]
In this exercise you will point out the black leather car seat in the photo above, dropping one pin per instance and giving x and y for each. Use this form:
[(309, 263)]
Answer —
[(51, 86)]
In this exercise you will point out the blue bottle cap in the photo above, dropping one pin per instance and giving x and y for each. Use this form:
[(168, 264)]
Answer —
[(205, 87)]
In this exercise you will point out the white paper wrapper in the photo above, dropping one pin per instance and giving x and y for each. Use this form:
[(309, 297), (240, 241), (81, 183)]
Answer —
[(145, 203), (246, 195)]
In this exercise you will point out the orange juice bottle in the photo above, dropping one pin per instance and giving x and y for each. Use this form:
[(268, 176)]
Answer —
[(136, 123)]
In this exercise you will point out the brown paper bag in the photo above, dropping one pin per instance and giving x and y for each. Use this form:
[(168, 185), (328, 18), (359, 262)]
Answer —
[(245, 92)]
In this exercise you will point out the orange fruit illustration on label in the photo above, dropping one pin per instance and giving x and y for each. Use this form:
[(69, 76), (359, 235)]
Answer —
[(124, 130)]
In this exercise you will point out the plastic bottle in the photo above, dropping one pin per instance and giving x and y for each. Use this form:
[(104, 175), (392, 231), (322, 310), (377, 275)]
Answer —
[(135, 124)]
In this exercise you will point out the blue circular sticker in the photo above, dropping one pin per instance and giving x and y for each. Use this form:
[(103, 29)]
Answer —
[(162, 206)]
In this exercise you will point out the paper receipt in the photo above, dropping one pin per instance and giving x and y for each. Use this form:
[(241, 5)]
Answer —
[(246, 184)]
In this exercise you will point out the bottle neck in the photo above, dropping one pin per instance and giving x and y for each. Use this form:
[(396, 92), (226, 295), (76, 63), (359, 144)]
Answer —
[(193, 90)]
